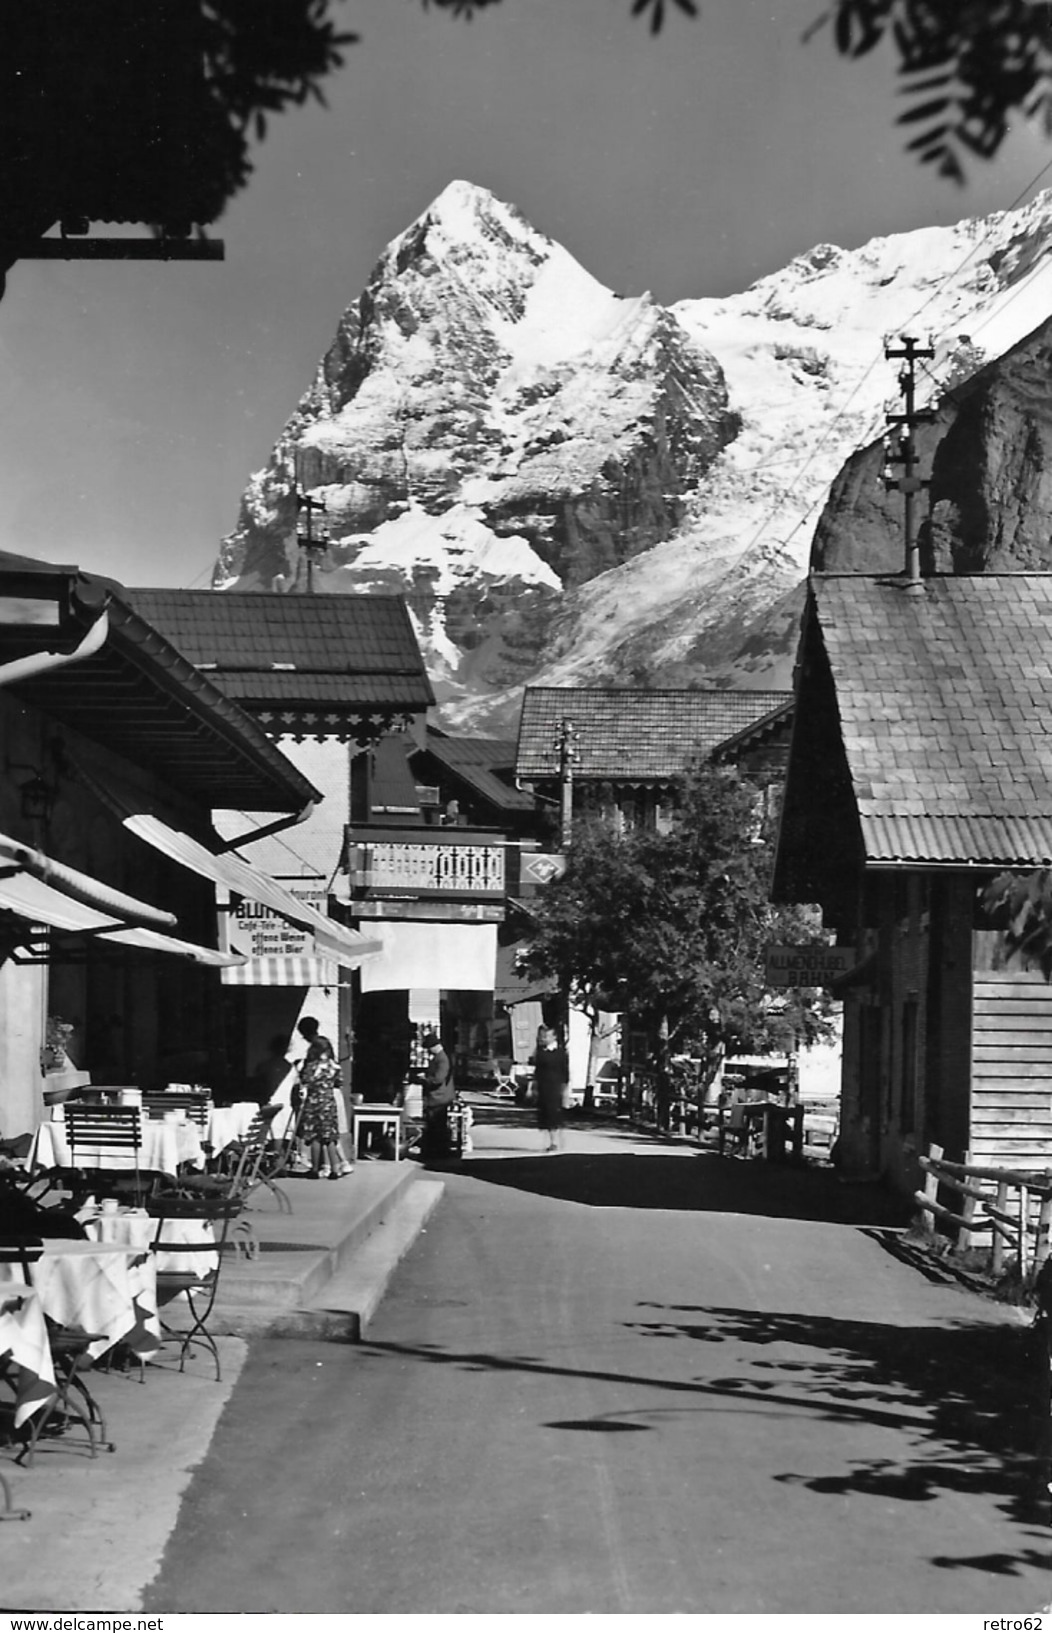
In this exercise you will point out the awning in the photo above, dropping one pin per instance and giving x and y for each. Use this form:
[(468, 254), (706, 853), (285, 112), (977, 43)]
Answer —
[(454, 957), (285, 970), (152, 941), (76, 887), (42, 904), (331, 940)]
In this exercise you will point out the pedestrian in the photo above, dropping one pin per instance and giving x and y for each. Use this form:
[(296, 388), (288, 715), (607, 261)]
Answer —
[(439, 1094), (551, 1076), (319, 1119)]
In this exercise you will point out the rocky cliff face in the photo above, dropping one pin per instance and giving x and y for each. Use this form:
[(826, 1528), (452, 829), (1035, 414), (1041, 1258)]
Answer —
[(988, 458), (572, 486)]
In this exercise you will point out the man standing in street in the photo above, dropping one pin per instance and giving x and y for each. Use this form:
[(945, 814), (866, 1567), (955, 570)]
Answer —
[(439, 1094)]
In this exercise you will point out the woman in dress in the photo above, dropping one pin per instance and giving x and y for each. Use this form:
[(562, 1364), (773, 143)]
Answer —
[(319, 1120), (551, 1074)]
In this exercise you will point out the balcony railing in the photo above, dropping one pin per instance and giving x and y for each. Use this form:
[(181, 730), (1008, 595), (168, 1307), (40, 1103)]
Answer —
[(459, 867)]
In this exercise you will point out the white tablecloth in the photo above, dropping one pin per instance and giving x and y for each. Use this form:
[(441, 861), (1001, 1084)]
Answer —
[(133, 1227), (165, 1146), (104, 1289), (229, 1123), (25, 1349)]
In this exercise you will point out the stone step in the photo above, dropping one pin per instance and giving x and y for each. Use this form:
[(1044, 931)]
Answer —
[(337, 1293)]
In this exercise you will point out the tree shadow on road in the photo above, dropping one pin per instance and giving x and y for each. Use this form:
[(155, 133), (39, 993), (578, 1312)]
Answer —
[(978, 1391), (963, 1400), (695, 1182)]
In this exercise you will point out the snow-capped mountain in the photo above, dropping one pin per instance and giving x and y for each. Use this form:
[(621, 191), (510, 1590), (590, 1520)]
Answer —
[(576, 486)]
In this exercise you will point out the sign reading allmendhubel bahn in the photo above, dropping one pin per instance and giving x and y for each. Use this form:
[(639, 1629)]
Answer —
[(812, 966)]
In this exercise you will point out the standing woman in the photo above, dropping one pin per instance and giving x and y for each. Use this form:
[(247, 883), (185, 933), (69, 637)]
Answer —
[(319, 1120), (551, 1074)]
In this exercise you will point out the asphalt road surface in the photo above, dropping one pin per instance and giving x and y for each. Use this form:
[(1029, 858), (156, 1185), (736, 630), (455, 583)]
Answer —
[(632, 1378)]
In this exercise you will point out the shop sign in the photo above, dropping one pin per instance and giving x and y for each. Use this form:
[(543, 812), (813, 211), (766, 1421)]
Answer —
[(814, 966), (258, 932), (541, 867)]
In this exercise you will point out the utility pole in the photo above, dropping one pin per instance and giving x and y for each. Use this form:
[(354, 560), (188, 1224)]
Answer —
[(566, 748), (310, 543), (909, 484)]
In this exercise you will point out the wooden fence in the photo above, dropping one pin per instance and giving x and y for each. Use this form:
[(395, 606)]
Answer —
[(1011, 1207)]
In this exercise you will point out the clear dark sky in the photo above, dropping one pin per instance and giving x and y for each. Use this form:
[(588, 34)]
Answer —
[(135, 400)]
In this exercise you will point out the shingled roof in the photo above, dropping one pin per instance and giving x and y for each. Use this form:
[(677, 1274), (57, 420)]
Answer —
[(624, 734), (263, 648), (478, 762), (943, 697)]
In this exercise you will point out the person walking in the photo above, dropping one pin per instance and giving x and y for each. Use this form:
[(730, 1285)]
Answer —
[(319, 1120), (551, 1075)]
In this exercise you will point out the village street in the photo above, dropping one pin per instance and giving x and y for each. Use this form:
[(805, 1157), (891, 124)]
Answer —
[(631, 1378)]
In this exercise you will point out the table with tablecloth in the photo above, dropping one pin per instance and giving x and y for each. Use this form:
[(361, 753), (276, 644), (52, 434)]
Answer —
[(25, 1353), (96, 1287), (228, 1124), (134, 1227), (166, 1144)]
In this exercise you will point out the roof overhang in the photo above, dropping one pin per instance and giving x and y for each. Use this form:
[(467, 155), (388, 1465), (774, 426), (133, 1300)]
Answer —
[(136, 695)]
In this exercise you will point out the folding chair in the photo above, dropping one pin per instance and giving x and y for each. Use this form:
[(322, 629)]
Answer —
[(101, 1132), (198, 1281), (234, 1188), (69, 1348), (254, 1164)]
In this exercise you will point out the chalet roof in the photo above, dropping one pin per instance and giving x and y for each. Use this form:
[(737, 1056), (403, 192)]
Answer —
[(478, 762), (135, 693), (628, 734), (264, 648), (943, 699)]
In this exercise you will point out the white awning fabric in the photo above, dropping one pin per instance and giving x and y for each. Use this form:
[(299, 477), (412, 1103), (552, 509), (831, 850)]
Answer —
[(40, 903), (331, 940), (152, 941), (453, 957), (284, 970), (76, 887)]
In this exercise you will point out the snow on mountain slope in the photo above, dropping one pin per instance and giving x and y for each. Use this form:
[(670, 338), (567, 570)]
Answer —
[(570, 485)]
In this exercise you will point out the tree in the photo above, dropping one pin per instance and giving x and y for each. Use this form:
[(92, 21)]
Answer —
[(142, 110), (966, 65), (671, 929)]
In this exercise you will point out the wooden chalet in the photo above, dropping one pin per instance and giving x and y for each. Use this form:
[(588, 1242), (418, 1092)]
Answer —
[(920, 767), (630, 747)]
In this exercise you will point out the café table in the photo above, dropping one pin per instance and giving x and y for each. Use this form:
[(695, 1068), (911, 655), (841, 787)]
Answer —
[(135, 1228), (227, 1124), (96, 1287), (373, 1115), (25, 1352), (166, 1144)]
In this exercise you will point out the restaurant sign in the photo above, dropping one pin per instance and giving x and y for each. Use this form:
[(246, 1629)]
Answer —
[(814, 966), (255, 931)]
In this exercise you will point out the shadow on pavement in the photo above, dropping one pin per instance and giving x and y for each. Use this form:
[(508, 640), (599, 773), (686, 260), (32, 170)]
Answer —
[(964, 1399), (978, 1390), (693, 1182)]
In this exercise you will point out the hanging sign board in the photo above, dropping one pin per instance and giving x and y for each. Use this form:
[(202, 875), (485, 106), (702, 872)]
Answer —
[(807, 966)]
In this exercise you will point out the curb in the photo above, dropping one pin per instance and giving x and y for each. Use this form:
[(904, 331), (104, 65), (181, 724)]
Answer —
[(340, 1310)]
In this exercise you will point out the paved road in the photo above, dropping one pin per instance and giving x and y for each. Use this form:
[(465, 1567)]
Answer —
[(630, 1378)]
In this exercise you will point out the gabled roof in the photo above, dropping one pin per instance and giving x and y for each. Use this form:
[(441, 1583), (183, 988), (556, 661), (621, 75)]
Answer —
[(943, 694), (477, 761), (624, 734), (136, 694), (263, 648)]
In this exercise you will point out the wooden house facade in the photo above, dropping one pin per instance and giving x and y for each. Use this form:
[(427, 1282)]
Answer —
[(920, 767)]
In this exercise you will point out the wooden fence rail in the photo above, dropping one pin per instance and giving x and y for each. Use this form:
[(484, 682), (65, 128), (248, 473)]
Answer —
[(1020, 1222)]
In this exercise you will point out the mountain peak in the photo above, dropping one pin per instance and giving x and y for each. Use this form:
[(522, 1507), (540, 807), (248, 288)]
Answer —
[(572, 486)]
